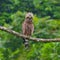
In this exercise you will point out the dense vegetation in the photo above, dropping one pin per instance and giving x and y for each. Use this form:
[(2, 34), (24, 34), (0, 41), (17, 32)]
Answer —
[(47, 25)]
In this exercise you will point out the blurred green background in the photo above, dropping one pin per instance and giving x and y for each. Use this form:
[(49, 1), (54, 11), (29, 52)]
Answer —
[(47, 25)]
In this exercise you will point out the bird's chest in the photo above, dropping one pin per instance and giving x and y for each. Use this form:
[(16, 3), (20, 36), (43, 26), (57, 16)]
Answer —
[(28, 29)]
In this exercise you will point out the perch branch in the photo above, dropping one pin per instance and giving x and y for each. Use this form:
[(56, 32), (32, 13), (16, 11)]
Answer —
[(28, 37)]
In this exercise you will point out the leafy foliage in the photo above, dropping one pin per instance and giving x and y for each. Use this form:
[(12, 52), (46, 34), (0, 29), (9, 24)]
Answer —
[(47, 25)]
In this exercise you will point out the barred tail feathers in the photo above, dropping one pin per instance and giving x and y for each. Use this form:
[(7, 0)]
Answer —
[(26, 43)]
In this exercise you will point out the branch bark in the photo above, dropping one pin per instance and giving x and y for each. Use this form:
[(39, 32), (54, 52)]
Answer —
[(28, 37)]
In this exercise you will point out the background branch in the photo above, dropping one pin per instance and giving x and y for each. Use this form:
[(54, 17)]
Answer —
[(28, 37)]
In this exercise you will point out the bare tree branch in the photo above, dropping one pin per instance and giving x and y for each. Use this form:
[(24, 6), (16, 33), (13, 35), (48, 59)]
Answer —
[(28, 37)]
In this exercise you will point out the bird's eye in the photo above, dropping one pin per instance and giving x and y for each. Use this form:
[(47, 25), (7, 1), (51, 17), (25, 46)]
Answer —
[(27, 18), (30, 18)]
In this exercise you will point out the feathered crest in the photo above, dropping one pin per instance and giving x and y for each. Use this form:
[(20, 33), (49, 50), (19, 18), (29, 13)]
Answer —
[(29, 14)]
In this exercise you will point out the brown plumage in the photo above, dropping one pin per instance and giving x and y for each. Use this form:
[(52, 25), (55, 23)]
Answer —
[(27, 26)]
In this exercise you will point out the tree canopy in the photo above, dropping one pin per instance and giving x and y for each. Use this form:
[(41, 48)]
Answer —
[(46, 24)]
